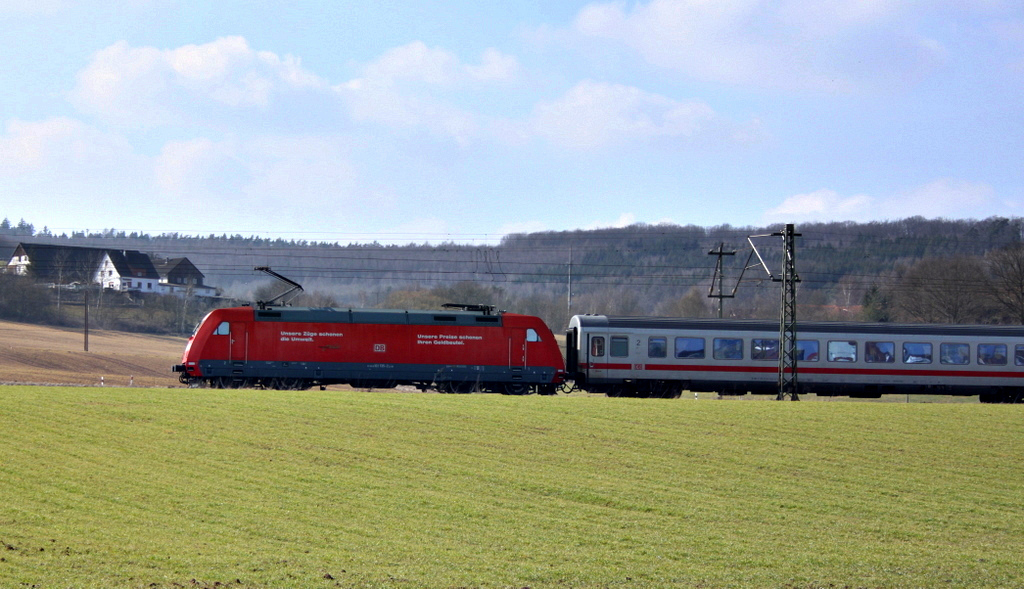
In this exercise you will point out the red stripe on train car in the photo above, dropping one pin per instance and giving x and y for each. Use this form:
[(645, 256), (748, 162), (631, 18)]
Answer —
[(804, 369)]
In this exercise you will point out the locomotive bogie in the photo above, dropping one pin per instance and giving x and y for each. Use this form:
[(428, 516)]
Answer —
[(297, 348), (624, 355)]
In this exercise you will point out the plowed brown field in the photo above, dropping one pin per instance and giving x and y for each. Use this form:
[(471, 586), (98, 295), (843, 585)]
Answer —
[(49, 355)]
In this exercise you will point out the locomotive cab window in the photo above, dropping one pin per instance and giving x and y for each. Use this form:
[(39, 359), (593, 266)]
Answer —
[(917, 353), (992, 354), (842, 351), (657, 347), (620, 346), (223, 329), (954, 353), (691, 347), (728, 348), (532, 335), (884, 352), (597, 347)]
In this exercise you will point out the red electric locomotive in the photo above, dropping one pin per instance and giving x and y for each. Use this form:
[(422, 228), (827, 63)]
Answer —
[(461, 349)]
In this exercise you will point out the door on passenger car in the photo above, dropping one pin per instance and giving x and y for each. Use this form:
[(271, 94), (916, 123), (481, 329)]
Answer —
[(596, 356)]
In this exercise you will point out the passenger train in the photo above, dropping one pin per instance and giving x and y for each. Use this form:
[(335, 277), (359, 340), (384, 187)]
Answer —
[(661, 357), (465, 348)]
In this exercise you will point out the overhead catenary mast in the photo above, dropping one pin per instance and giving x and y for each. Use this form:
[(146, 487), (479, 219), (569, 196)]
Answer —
[(788, 383), (787, 319)]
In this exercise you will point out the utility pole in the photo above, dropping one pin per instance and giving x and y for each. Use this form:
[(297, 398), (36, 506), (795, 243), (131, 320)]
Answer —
[(788, 386), (86, 294), (568, 296), (719, 277)]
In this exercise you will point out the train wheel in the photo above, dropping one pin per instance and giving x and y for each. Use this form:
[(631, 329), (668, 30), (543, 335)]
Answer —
[(517, 388), (288, 384), (459, 387)]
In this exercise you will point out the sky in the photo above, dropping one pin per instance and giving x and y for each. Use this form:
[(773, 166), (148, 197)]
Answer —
[(424, 121)]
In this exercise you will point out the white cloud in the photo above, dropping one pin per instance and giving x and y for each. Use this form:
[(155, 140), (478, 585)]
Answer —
[(435, 66), (32, 7), (309, 174), (624, 220), (821, 205), (797, 44), (418, 87), (145, 86), (596, 114), (945, 197), (194, 170), (77, 150)]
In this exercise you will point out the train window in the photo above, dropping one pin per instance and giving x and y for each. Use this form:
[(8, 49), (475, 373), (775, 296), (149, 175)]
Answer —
[(531, 335), (992, 354), (597, 347), (728, 348), (764, 349), (842, 351), (693, 347), (917, 353), (223, 329), (955, 353), (884, 352), (657, 347), (620, 346), (807, 350), (1018, 355)]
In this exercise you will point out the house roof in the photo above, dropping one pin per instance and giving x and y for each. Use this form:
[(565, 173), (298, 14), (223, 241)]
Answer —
[(132, 263), (61, 263), (166, 266), (58, 262)]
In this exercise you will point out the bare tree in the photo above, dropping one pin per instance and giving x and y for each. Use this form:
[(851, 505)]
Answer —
[(1006, 267), (945, 290), (694, 303)]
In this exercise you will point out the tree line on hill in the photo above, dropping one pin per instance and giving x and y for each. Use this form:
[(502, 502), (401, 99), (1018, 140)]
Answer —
[(911, 270)]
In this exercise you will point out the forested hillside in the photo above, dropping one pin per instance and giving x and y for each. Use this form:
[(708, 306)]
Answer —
[(876, 271)]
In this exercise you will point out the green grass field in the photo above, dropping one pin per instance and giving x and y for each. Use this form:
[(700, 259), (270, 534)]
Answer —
[(162, 488)]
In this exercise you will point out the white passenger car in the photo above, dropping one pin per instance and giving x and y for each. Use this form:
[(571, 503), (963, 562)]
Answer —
[(661, 357)]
